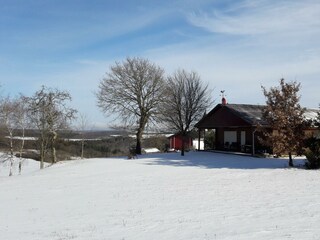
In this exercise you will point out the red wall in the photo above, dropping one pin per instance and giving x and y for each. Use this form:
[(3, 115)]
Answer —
[(176, 142)]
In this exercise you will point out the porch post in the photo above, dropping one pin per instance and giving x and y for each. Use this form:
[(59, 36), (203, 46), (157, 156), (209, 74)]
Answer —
[(199, 134), (253, 141)]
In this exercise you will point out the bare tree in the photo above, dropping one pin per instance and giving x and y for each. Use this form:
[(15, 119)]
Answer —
[(133, 90), (9, 123), (49, 113), (82, 127), (21, 115), (285, 117), (187, 98)]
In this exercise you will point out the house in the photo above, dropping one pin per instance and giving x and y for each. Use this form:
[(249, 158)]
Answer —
[(235, 126), (176, 140)]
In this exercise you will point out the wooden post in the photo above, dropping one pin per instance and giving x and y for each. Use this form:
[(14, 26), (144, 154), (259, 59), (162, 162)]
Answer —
[(199, 135), (253, 142)]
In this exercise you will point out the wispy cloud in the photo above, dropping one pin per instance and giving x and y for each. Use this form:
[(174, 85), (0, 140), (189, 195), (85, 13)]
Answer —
[(236, 45), (64, 26), (250, 44), (261, 17)]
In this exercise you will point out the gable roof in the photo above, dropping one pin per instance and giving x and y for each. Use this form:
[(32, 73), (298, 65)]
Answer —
[(252, 114), (248, 113)]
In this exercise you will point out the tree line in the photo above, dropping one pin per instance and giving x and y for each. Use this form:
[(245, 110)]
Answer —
[(139, 94), (135, 90), (46, 111)]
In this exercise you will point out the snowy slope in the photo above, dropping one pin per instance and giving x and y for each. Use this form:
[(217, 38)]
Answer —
[(162, 196), (28, 166)]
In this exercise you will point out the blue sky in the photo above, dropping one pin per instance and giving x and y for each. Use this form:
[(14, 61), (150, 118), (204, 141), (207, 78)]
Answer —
[(234, 45)]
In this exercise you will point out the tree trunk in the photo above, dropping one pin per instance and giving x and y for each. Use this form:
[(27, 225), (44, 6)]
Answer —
[(53, 149), (11, 154), (53, 153), (138, 145), (20, 167), (42, 154), (142, 125), (82, 148), (290, 160), (183, 144), (20, 152), (11, 167)]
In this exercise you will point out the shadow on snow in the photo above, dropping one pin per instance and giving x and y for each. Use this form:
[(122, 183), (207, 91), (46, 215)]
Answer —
[(217, 160)]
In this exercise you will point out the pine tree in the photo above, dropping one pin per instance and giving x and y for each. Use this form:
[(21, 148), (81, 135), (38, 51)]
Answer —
[(285, 117)]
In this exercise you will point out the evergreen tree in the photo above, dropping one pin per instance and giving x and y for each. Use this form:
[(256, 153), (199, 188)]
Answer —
[(285, 117)]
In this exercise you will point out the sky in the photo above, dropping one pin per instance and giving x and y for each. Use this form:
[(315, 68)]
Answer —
[(234, 45)]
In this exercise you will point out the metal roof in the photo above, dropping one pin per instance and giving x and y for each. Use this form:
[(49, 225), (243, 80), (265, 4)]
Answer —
[(252, 114)]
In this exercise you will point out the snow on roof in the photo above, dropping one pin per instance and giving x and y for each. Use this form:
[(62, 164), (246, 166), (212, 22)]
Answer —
[(311, 114)]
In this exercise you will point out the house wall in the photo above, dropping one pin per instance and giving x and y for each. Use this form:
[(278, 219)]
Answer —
[(236, 146), (242, 119)]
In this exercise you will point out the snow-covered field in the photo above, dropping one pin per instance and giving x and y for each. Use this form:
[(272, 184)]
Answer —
[(162, 196)]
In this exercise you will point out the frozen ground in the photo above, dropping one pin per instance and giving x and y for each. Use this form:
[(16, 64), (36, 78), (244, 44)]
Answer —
[(162, 196)]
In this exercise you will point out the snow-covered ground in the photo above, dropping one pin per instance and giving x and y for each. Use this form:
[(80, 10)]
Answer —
[(162, 196), (28, 166)]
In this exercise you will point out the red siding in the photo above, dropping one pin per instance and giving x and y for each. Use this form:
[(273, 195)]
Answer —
[(176, 142)]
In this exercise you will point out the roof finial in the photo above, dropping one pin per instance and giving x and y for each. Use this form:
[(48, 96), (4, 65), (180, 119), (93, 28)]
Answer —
[(223, 100)]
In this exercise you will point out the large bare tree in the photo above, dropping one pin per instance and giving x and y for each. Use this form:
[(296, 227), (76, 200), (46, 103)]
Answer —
[(187, 99), (285, 117), (132, 89), (50, 113)]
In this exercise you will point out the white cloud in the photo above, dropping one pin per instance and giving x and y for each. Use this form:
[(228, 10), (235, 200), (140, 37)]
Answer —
[(262, 17), (253, 43), (241, 68)]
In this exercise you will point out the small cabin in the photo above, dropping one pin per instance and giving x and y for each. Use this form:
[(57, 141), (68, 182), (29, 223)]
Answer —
[(235, 126), (176, 140)]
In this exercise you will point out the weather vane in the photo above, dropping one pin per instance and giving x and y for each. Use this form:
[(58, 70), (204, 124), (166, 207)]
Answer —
[(223, 100)]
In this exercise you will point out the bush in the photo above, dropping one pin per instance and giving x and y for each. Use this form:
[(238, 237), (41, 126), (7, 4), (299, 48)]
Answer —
[(313, 153), (159, 142), (209, 139)]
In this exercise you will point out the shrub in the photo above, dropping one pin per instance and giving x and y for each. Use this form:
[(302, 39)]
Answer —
[(313, 153), (159, 142)]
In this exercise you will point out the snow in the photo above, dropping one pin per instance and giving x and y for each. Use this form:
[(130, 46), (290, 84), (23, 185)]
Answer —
[(151, 150), (23, 138), (28, 166), (203, 195)]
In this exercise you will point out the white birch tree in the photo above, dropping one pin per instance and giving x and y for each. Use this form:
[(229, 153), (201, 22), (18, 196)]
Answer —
[(9, 124)]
